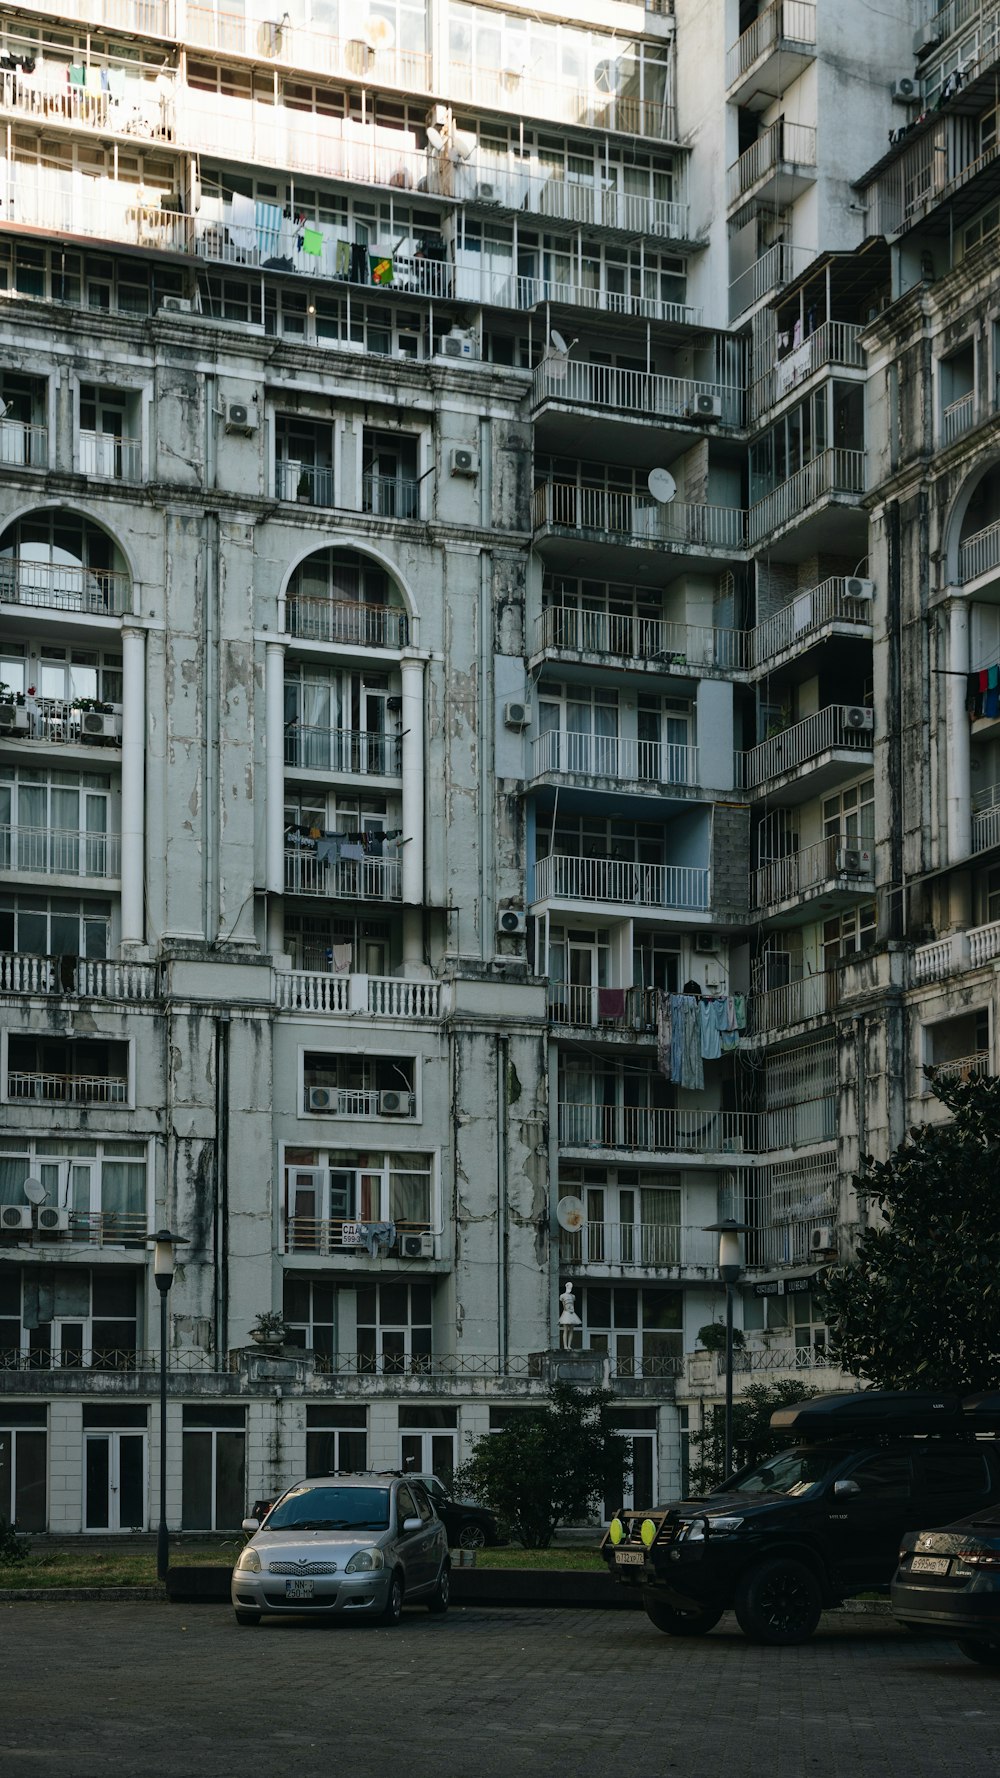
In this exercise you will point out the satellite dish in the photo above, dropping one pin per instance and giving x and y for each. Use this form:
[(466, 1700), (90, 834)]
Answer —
[(34, 1190), (570, 1214), (3, 407), (555, 367), (463, 144), (661, 485), (557, 340), (435, 140), (379, 33)]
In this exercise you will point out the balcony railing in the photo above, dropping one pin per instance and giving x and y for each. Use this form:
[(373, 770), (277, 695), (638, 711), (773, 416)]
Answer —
[(608, 756), (774, 1009), (501, 89), (774, 269), (809, 612), (837, 726), (227, 241), (324, 1235), (99, 592), (958, 417), (95, 1228), (961, 1068), (783, 144), (614, 391), (347, 621), (834, 471), (980, 553), (986, 818), (23, 446), (46, 98), (148, 18), (559, 878), (390, 496), (66, 203), (106, 1358), (68, 1089), (658, 1131), (232, 33), (638, 519), (984, 943), (54, 851), (309, 483), (846, 859), (106, 456), (56, 721), (637, 638), (91, 978), (782, 1356), (343, 750), (366, 879), (784, 20), (611, 1009), (835, 342), (384, 997), (637, 1246)]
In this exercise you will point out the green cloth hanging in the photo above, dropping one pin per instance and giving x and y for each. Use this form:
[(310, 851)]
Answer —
[(312, 241)]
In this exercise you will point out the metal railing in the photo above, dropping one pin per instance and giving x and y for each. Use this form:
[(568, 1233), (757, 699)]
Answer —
[(782, 144), (638, 518), (509, 90), (68, 1089), (105, 1358), (640, 1246), (148, 18), (62, 723), (559, 878), (774, 1009), (366, 879), (23, 446), (352, 58), (775, 268), (96, 978), (46, 98), (834, 471), (391, 496), (100, 592), (620, 1009), (54, 851), (309, 483), (347, 621), (225, 241), (958, 417), (961, 1068), (324, 1235), (831, 727), (779, 1357), (792, 21), (506, 291), (63, 202), (631, 391), (835, 342), (979, 553), (343, 750), (847, 860), (104, 455), (632, 638), (609, 756), (986, 818), (659, 1131), (809, 612)]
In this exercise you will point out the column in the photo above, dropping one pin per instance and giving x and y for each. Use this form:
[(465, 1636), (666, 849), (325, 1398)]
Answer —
[(412, 849), (133, 869), (274, 821), (957, 764)]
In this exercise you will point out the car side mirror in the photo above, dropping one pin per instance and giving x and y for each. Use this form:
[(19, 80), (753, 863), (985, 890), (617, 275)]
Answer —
[(412, 1524), (845, 1489), (251, 1525)]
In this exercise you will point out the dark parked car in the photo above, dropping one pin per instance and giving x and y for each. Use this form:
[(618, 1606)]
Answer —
[(949, 1581), (468, 1527), (802, 1531)]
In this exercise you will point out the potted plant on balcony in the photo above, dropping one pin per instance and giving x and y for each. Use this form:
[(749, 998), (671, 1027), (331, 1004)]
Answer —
[(268, 1330), (712, 1337), (304, 489)]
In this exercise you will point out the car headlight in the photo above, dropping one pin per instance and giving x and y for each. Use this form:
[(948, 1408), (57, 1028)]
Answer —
[(364, 1561), (249, 1562), (697, 1529)]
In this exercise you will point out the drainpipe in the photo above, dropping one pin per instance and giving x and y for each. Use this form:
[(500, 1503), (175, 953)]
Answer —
[(221, 1217)]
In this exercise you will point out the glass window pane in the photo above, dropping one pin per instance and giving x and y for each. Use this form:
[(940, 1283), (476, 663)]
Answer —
[(196, 1507), (230, 1479)]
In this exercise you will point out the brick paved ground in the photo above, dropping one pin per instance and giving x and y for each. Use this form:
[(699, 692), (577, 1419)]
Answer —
[(181, 1692)]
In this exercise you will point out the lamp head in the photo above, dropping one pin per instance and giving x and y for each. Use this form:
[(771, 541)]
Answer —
[(164, 1260), (730, 1258)]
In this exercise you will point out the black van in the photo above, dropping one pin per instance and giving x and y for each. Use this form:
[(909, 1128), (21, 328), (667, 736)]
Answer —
[(802, 1531)]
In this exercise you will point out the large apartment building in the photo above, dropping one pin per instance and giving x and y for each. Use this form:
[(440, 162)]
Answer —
[(499, 706)]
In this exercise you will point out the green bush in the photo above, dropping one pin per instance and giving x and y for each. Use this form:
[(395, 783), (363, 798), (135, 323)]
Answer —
[(11, 1548)]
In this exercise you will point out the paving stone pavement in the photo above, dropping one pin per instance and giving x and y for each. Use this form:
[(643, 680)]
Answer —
[(171, 1691)]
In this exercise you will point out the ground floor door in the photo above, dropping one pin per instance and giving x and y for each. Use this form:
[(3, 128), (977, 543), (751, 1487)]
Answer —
[(641, 1485), (429, 1453), (115, 1481)]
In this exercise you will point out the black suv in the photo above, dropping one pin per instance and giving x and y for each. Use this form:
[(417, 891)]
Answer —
[(800, 1532)]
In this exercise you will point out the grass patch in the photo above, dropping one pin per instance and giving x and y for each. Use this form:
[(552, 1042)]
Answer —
[(137, 1568), (578, 1560)]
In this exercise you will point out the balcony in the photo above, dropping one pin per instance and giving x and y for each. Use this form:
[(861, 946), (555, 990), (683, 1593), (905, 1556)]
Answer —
[(938, 165), (776, 48), (774, 1010), (345, 751), (776, 169), (637, 1247), (106, 457), (383, 997), (957, 417), (637, 642), (474, 284), (99, 592), (831, 871), (67, 1089), (656, 763), (87, 1228), (833, 475), (690, 1132), (979, 554), (23, 446), (390, 496), (843, 731), (986, 818), (352, 58), (834, 343), (503, 89), (338, 1237), (147, 18), (961, 1069), (771, 272), (346, 622), (367, 879), (636, 520), (570, 382), (61, 724), (612, 882), (979, 23), (225, 240), (958, 951), (90, 978), (819, 610), (134, 108), (62, 852), (626, 1012)]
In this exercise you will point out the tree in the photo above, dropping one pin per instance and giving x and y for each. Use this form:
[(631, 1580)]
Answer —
[(752, 1435), (550, 1465), (920, 1308)]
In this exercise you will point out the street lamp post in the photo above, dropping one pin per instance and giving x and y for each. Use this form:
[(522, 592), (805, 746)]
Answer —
[(730, 1267), (163, 1271)]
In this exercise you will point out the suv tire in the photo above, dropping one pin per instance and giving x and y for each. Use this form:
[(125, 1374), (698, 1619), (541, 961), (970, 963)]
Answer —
[(779, 1603), (393, 1610), (438, 1602), (678, 1623)]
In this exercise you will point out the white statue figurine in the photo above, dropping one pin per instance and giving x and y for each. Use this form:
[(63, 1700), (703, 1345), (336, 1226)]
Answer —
[(569, 1320)]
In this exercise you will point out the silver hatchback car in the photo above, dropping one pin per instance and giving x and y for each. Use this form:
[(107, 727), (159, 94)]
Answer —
[(344, 1545)]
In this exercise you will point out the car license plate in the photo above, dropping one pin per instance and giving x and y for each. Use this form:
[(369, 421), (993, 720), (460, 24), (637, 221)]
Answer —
[(630, 1558), (299, 1589), (929, 1565)]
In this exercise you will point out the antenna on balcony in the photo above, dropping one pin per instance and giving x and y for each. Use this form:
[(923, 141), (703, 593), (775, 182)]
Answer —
[(560, 344), (34, 1190), (662, 486), (435, 139), (556, 360), (379, 33), (570, 1214), (463, 145), (3, 407)]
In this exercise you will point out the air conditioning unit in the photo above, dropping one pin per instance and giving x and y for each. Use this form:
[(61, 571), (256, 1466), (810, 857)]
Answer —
[(704, 407), (52, 1219), (705, 942), (822, 1240), (439, 117), (15, 1216), (908, 90), (14, 717), (486, 193), (394, 1104), (98, 725), (926, 38), (858, 717), (323, 1099), (464, 462), (859, 589), (175, 305), (511, 922), (460, 345), (416, 1246), (241, 416), (515, 714)]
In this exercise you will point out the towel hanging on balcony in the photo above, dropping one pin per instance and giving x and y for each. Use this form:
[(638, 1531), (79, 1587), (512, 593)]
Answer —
[(378, 1234), (611, 1003), (340, 959), (312, 242)]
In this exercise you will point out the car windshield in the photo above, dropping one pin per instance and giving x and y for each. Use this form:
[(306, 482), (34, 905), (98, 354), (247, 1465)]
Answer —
[(793, 1473), (332, 1509)]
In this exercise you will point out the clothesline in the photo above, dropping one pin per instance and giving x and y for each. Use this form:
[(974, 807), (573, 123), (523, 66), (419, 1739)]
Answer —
[(982, 697), (692, 1029)]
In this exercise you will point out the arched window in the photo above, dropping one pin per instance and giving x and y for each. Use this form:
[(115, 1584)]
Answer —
[(339, 595), (61, 560)]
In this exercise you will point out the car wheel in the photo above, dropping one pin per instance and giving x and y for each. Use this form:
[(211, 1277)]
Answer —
[(986, 1653), (439, 1599), (394, 1604), (471, 1536), (248, 1618), (678, 1623), (779, 1603)]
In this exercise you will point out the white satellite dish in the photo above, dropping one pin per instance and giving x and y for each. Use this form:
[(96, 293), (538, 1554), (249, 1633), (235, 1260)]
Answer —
[(463, 144), (435, 140), (661, 485), (555, 367), (557, 340), (34, 1190), (570, 1214), (379, 33), (3, 407)]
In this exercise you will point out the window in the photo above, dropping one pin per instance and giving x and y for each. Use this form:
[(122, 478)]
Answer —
[(309, 1308), (343, 943), (24, 425), (428, 1441), (214, 1468), (55, 559), (633, 1216), (394, 1328), (885, 1476), (342, 722), (358, 1085), (851, 813), (57, 1071), (333, 1195), (23, 1466), (390, 486), (953, 1471), (48, 926), (58, 822), (847, 934), (336, 1440), (639, 1329), (51, 1319), (108, 440), (101, 1183), (304, 460)]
